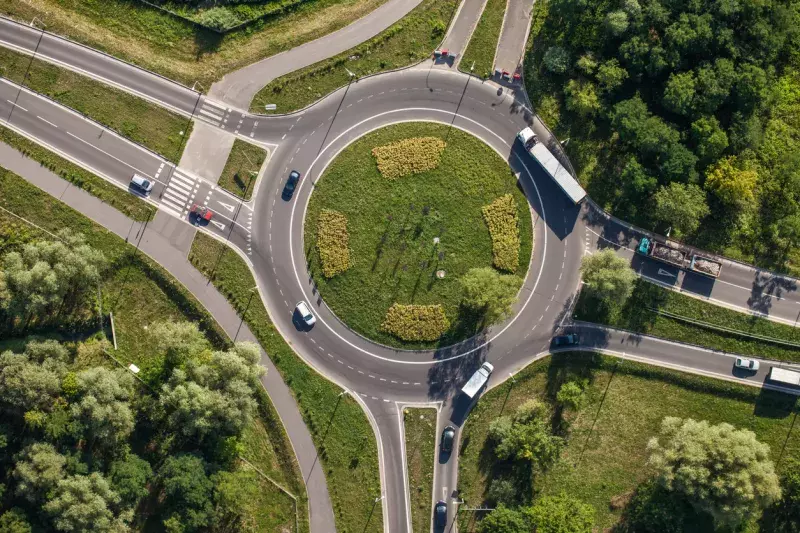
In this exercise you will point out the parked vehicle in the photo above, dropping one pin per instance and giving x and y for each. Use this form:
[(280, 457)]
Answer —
[(746, 364), (304, 311), (440, 513), (291, 184), (566, 340), (551, 165), (142, 184), (448, 436), (478, 380)]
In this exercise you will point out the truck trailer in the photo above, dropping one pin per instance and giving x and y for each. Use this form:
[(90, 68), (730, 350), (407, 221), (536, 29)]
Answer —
[(551, 165), (784, 375), (478, 380)]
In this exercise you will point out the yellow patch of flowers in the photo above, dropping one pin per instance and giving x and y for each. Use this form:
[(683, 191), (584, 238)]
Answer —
[(333, 242), (501, 217), (416, 322), (409, 156)]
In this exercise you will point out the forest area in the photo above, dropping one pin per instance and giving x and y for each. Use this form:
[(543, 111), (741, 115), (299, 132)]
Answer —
[(681, 116)]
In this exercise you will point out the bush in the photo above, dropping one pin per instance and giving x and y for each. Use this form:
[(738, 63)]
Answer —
[(501, 217), (332, 242), (416, 322), (409, 156)]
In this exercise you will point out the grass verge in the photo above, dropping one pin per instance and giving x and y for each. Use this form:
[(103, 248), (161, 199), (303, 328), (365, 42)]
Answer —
[(392, 225), (410, 40), (606, 452), (639, 315), (237, 177), (130, 205), (158, 129), (176, 48), (341, 432), (483, 43), (420, 429), (140, 292)]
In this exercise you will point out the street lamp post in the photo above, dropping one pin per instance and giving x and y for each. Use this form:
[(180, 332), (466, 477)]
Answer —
[(351, 77)]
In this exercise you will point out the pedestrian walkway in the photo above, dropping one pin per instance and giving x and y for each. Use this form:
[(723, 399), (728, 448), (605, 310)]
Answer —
[(180, 192)]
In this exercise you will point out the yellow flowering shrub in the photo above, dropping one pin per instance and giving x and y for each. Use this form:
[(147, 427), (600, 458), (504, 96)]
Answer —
[(333, 242), (501, 217), (409, 156), (416, 322)]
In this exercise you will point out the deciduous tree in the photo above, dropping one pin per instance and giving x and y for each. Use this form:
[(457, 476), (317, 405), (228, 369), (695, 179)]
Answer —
[(556, 59), (103, 404), (733, 186), (608, 275), (680, 206), (560, 514), (39, 468), (504, 520), (83, 503), (490, 292), (188, 491)]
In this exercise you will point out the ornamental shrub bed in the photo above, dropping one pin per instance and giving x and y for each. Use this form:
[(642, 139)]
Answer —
[(501, 217), (416, 322), (409, 156), (333, 242)]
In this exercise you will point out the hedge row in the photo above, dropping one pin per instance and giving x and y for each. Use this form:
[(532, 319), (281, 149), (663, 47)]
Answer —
[(501, 217), (409, 156), (333, 242), (416, 322)]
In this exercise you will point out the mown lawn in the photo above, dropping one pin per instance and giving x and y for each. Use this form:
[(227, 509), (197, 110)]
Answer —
[(237, 177), (410, 40), (483, 43), (420, 428), (392, 224), (605, 455), (176, 48), (340, 429), (135, 118), (130, 205), (140, 293), (638, 315)]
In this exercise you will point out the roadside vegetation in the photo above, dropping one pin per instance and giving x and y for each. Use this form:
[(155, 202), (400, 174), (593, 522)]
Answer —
[(421, 452), (177, 48), (148, 124), (503, 221), (342, 434), (78, 426), (403, 231), (483, 43), (601, 414), (408, 41), (241, 170), (227, 14), (679, 115), (130, 205)]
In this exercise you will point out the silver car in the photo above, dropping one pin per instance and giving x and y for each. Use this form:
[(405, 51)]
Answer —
[(305, 312), (746, 364), (142, 184)]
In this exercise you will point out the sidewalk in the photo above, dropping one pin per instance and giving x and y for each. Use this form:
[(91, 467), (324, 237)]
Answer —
[(166, 241)]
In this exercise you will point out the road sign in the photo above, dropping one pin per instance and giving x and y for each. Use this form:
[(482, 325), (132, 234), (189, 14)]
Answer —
[(270, 107), (662, 272)]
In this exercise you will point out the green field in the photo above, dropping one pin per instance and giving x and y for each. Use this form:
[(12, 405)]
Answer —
[(410, 40), (483, 43), (237, 177), (177, 48), (341, 431), (605, 455), (639, 315), (137, 119), (421, 452), (392, 224)]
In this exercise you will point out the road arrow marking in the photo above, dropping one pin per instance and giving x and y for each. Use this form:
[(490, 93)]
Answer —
[(229, 207), (220, 225), (662, 272)]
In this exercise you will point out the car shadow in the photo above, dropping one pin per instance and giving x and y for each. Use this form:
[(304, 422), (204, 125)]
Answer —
[(299, 323)]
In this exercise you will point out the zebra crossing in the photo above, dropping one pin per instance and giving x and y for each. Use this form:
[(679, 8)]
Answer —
[(213, 113), (179, 193)]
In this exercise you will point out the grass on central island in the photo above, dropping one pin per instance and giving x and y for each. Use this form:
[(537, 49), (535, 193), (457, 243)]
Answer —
[(392, 224), (420, 430)]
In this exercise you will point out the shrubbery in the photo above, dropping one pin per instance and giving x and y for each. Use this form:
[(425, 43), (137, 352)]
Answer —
[(332, 242), (501, 217), (409, 156), (416, 322)]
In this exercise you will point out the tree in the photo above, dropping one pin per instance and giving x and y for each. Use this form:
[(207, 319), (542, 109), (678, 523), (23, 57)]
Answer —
[(490, 293), (570, 395), (608, 275), (14, 521), (526, 436), (556, 59), (751, 87), (714, 83), (178, 341), (610, 75), (784, 515), (587, 63), (723, 471), (39, 468), (187, 490), (129, 477), (709, 138), (502, 491), (233, 493), (83, 503), (29, 384), (681, 206), (680, 92), (617, 22), (503, 520), (677, 163), (734, 187), (560, 514), (581, 97), (103, 406)]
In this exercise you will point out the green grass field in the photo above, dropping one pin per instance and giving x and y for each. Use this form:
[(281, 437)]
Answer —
[(135, 118), (483, 43), (420, 428), (392, 224), (637, 315), (410, 40), (176, 48), (130, 205), (140, 293), (341, 431), (237, 177), (606, 452)]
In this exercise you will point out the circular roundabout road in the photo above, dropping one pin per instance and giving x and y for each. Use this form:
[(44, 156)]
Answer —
[(309, 140)]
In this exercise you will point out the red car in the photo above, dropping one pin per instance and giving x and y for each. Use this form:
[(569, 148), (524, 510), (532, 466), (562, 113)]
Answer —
[(201, 212)]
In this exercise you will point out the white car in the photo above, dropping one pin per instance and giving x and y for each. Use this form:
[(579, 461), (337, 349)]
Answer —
[(747, 364), (303, 310), (141, 183)]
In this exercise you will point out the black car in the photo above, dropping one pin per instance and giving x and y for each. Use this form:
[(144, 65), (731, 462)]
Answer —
[(291, 184), (448, 436), (566, 340), (440, 514)]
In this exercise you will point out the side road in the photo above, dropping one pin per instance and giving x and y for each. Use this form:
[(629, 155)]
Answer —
[(167, 241)]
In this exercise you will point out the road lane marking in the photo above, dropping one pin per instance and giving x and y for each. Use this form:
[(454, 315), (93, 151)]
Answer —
[(45, 120), (17, 105), (109, 155)]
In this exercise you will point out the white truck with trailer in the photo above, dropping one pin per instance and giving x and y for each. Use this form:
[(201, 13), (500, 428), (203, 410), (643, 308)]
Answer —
[(551, 165), (478, 380), (784, 375)]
